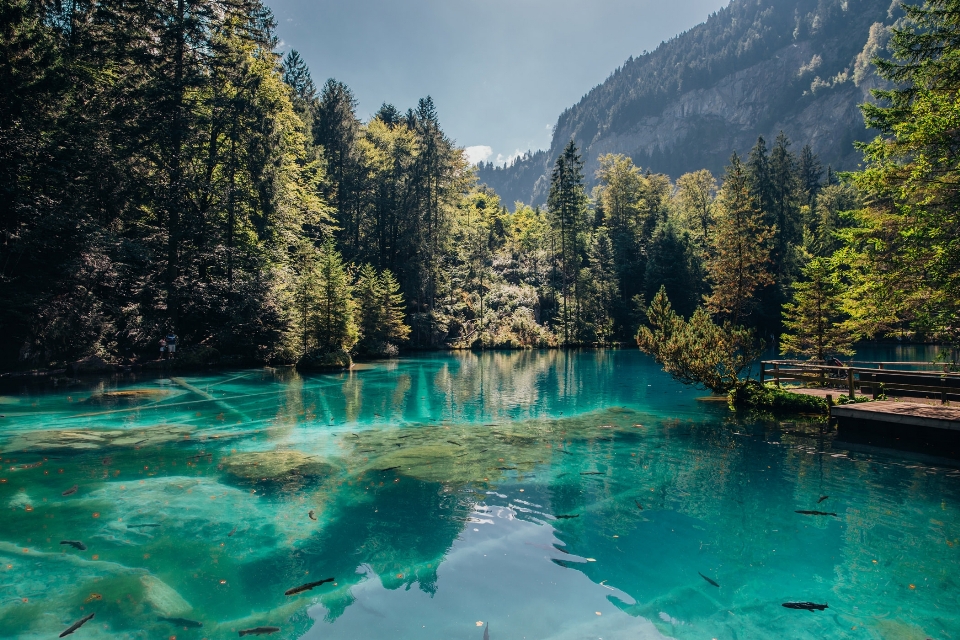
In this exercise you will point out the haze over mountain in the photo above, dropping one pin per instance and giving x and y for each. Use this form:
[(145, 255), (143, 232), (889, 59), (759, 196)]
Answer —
[(499, 71), (753, 68)]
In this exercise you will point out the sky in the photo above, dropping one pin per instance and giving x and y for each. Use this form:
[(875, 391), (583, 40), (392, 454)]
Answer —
[(500, 71)]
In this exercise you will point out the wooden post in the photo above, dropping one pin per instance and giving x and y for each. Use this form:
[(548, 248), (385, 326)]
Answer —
[(763, 373), (853, 390), (829, 406), (776, 373)]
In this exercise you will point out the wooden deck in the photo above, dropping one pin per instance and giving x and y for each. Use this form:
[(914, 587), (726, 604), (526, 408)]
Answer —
[(836, 394), (900, 419)]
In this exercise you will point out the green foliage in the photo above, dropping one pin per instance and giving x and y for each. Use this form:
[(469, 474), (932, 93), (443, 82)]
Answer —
[(771, 398), (697, 351), (333, 321), (380, 306), (672, 263), (904, 252), (815, 320), (739, 252), (567, 207)]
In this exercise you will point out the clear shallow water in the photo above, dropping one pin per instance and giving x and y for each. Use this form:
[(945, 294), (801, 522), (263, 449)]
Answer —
[(435, 483)]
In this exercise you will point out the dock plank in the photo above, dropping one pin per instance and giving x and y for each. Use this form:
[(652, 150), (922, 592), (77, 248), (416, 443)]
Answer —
[(902, 414)]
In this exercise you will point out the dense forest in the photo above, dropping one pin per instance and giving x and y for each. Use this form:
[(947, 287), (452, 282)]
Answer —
[(165, 169)]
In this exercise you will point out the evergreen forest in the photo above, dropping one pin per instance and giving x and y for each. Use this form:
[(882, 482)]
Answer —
[(165, 169)]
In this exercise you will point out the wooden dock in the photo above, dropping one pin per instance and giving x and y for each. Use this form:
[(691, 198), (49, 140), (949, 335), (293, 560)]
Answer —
[(879, 381), (911, 420)]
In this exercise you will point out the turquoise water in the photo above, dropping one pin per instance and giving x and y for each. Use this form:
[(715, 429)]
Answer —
[(429, 489)]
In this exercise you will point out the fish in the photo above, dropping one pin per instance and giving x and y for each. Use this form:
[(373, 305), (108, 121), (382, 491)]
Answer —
[(822, 498), (306, 587), (709, 580), (591, 473), (506, 468), (567, 517), (200, 455), (182, 622), (230, 535), (92, 597), (388, 469), (456, 443), (639, 506), (76, 625), (72, 490), (76, 544), (259, 631), (486, 632), (805, 606), (816, 513), (151, 525), (311, 514)]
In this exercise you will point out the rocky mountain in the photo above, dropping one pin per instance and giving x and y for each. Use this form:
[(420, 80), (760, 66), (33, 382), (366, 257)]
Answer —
[(756, 67)]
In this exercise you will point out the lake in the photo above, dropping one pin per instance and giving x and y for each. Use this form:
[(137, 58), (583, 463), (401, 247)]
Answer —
[(560, 495)]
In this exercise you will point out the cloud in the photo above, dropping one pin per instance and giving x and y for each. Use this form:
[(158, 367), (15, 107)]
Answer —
[(477, 154), (503, 160)]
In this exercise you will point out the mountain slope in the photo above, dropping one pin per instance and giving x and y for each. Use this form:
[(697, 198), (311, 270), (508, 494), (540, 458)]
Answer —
[(753, 68)]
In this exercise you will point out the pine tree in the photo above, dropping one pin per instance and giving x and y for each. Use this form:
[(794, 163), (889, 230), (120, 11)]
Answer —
[(809, 174), (297, 75), (380, 308), (603, 277), (568, 206), (334, 320), (815, 320), (698, 351), (673, 265), (740, 255)]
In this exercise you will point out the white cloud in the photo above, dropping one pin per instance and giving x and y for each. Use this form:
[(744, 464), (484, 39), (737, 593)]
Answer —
[(477, 154), (505, 160)]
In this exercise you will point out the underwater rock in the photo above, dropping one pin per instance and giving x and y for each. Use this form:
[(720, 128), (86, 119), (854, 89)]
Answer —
[(127, 396), (196, 512), (163, 597), (275, 465), (65, 440)]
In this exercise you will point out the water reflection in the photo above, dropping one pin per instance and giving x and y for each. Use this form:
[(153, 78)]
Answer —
[(430, 489)]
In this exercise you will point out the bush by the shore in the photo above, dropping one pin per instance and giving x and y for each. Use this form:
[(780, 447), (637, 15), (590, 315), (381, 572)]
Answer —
[(753, 395)]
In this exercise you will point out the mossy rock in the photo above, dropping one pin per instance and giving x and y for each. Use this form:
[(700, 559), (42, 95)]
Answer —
[(321, 361), (275, 466)]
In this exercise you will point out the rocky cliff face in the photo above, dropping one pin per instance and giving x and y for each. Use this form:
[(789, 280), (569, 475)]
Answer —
[(754, 69)]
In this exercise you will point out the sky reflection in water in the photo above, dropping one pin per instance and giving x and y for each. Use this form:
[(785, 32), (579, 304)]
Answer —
[(435, 483)]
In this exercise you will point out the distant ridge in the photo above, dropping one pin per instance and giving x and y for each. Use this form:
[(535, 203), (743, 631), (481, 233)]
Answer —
[(754, 68)]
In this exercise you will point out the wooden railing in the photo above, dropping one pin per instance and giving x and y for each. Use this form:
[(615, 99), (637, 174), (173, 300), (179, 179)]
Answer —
[(875, 381)]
